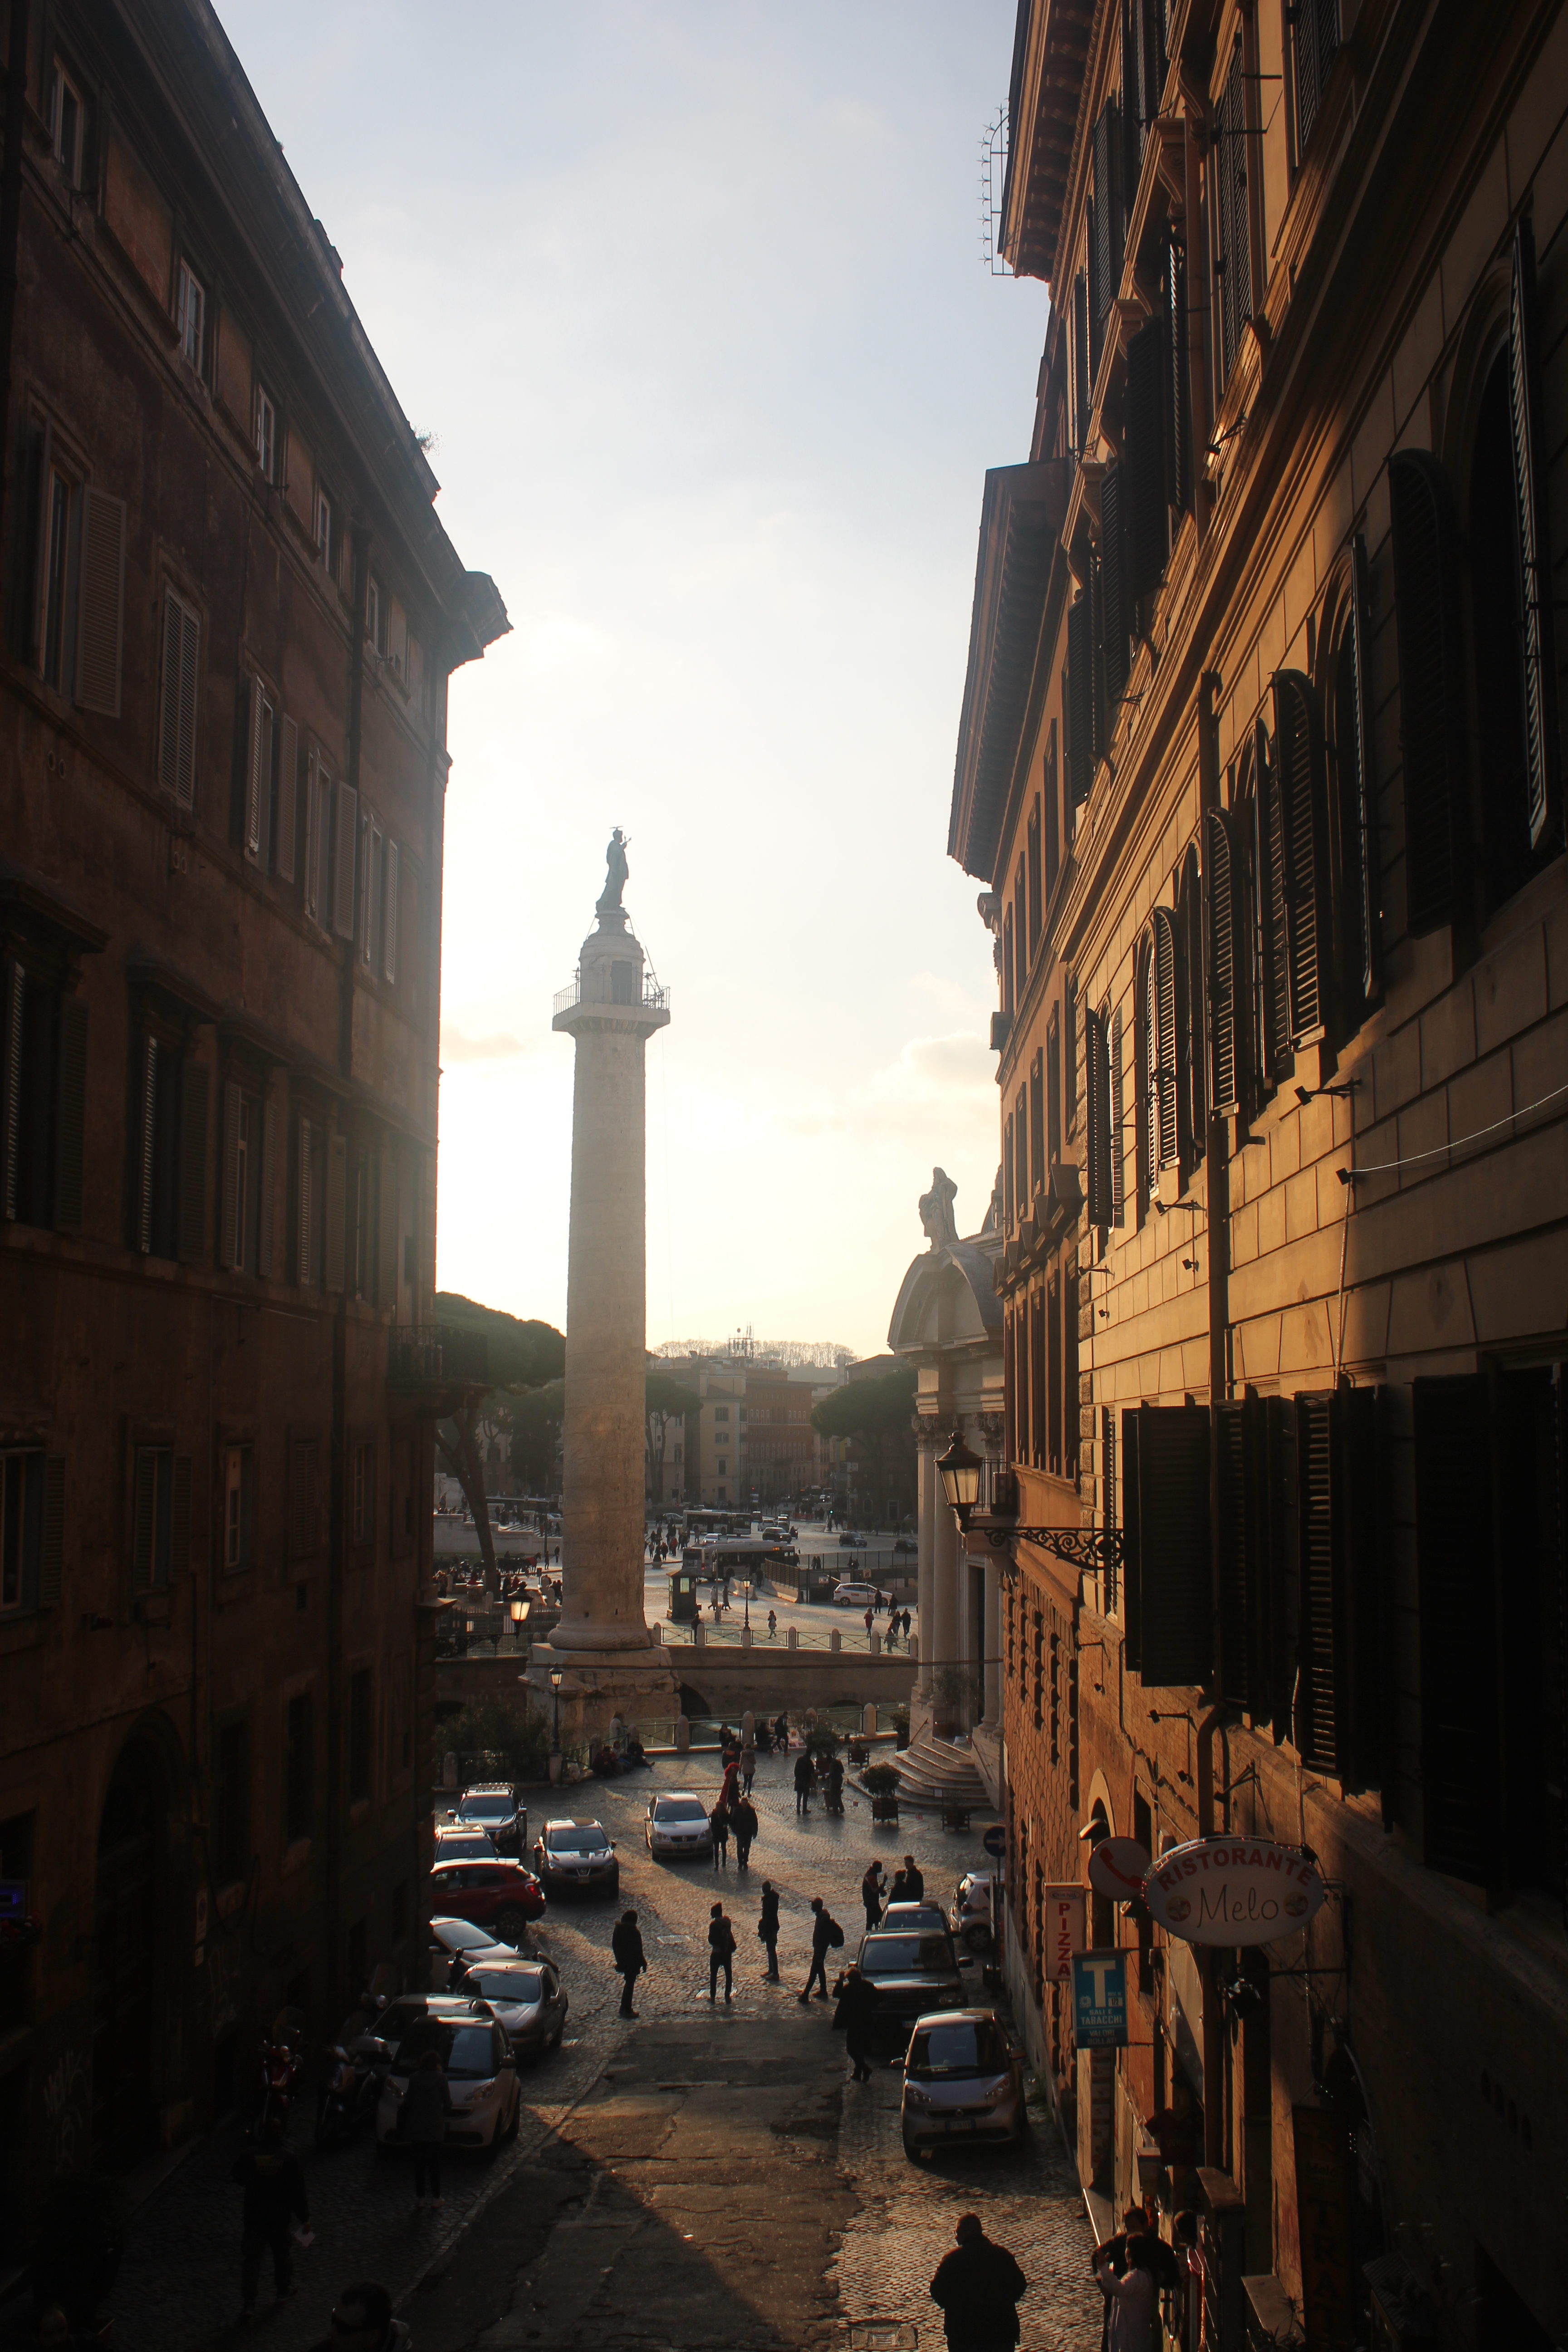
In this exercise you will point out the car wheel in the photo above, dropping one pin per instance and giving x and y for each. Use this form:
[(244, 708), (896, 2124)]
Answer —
[(512, 1925), (916, 2154)]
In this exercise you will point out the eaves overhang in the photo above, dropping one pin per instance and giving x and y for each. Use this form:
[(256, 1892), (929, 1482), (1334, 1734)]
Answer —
[(1050, 61), (1020, 519)]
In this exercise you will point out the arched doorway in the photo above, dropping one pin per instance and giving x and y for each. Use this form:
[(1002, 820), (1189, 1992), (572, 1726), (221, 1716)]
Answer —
[(126, 1909)]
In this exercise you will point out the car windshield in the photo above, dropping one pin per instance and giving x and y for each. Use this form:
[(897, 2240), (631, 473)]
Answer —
[(904, 1955), (576, 1841), (486, 1808), (459, 1937), (465, 2050), (968, 2046), (677, 1809), (474, 1841), (510, 1985)]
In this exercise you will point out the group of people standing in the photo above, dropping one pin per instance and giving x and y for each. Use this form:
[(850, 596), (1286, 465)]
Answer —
[(734, 1811)]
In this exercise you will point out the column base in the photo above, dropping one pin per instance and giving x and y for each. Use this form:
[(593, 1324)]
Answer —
[(598, 1685)]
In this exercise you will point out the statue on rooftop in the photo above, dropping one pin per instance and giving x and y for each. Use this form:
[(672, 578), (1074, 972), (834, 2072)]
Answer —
[(937, 1220), (616, 877)]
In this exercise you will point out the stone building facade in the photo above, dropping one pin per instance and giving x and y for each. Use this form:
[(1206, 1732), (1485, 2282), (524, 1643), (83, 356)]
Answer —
[(230, 618), (1260, 764)]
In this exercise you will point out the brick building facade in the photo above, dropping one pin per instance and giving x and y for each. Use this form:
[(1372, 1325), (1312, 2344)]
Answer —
[(1260, 764), (230, 617)]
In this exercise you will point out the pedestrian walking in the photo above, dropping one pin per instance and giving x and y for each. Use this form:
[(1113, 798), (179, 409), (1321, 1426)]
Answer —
[(826, 1935), (743, 1820), (804, 1779), (718, 1822), (781, 1732), (857, 2000), (625, 1949), (907, 1621), (909, 1883), (274, 2190), (832, 1779), (721, 1950), (729, 1787), (747, 1764), (871, 1895), (768, 1930), (362, 2321), (426, 2103), (1132, 2300), (978, 2286), (772, 1622)]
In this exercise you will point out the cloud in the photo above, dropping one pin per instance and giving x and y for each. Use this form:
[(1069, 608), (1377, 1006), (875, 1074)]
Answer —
[(503, 1047)]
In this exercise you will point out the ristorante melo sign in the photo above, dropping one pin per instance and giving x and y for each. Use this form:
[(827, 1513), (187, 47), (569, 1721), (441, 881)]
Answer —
[(1231, 1890)]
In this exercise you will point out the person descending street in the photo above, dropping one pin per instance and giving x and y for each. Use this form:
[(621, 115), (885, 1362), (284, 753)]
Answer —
[(626, 1949), (805, 1781), (362, 2321), (909, 1883), (743, 1822), (721, 1950), (426, 2103), (768, 1930), (908, 1621), (871, 1895), (826, 1935), (978, 2286), (274, 2190), (857, 2000), (729, 1789)]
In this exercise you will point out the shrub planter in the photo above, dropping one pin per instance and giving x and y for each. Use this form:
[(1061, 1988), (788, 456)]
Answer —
[(885, 1809)]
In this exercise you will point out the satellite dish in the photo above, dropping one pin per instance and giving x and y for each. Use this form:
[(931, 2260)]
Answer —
[(1117, 1867)]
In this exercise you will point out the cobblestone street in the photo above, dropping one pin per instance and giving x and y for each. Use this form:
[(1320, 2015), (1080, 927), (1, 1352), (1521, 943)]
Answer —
[(717, 2181)]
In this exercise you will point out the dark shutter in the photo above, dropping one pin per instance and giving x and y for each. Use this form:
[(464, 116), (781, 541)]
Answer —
[(1070, 1033), (335, 1211), (1132, 1557), (1431, 724), (1299, 755), (1241, 1555), (1096, 304), (1110, 223), (1082, 386), (102, 614), (345, 858), (1144, 466), (1273, 935), (70, 1113), (1534, 539), (14, 1011), (1164, 1064), (143, 1516), (1080, 697), (1115, 604), (1455, 1582), (1359, 806), (193, 1219), (52, 1532), (1118, 1176), (1193, 1023), (1278, 1580), (1177, 405), (1097, 1124), (1321, 1638), (267, 1180), (284, 829), (231, 1241), (1224, 945), (1168, 1556), (1317, 23), (1233, 228)]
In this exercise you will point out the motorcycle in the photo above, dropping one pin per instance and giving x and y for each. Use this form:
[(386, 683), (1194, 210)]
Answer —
[(350, 2090), (280, 2082)]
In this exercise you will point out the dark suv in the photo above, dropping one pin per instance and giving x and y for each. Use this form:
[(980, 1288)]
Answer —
[(498, 1895), (493, 1806), (911, 1974)]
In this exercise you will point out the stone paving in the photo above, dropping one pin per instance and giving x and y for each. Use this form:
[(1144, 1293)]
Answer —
[(178, 2290)]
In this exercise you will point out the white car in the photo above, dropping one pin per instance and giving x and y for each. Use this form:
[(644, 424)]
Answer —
[(481, 2072), (528, 1997), (678, 1824), (854, 1596)]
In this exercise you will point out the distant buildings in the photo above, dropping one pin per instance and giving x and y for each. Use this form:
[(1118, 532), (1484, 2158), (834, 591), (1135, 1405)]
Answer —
[(753, 1436), (231, 615)]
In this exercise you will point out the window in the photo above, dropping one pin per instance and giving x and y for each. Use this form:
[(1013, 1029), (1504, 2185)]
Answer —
[(177, 699), (239, 1505), (1191, 1080), (1315, 46), (1097, 1132), (191, 316), (43, 1097), (231, 1804), (1021, 1150), (1357, 894), (170, 1136), (68, 125), (1107, 227), (266, 434), (259, 777), (1008, 998), (1230, 217), (363, 1496), (1032, 853), (160, 1517), (1081, 384), (1079, 702), (1053, 1094), (1053, 857), (56, 566), (78, 596), (1022, 943), (1008, 1180), (299, 1773), (361, 1730), (32, 1526), (327, 532), (1039, 1173), (375, 615), (721, 1412), (245, 1241), (1158, 1126)]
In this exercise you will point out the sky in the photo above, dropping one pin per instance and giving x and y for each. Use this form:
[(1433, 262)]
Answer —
[(692, 297)]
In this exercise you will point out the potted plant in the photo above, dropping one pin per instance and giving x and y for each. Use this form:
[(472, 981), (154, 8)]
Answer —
[(880, 1782)]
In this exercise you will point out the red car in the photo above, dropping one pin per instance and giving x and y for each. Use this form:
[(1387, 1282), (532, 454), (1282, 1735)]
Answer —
[(501, 1895)]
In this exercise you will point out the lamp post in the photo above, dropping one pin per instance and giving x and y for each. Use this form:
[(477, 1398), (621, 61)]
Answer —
[(556, 1739), (958, 1469), (746, 1590)]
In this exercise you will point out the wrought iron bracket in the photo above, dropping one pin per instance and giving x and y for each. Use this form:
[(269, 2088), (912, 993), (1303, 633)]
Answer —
[(1095, 1550)]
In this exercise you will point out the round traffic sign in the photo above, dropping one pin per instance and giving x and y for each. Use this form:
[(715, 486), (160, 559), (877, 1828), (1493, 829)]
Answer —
[(1117, 1867), (996, 1840)]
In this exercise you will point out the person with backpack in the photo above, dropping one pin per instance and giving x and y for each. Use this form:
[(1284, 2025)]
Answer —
[(721, 1950), (744, 1820), (826, 1935), (768, 1930)]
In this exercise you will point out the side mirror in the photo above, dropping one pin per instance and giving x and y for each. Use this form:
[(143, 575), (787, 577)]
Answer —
[(510, 2059)]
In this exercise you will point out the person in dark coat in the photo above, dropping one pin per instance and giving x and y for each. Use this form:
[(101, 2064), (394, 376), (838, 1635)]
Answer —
[(274, 2190), (626, 1949), (768, 1930), (834, 1777), (805, 1781), (426, 2103), (856, 2001), (978, 2287), (720, 1951), (871, 1895), (718, 1822), (826, 1935), (909, 1883), (743, 1820), (362, 2321), (781, 1732)]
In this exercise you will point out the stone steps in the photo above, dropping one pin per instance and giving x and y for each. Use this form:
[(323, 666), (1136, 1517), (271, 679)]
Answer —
[(934, 1772)]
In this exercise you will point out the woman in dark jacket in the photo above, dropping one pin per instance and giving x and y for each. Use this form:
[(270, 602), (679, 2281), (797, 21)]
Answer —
[(857, 2006)]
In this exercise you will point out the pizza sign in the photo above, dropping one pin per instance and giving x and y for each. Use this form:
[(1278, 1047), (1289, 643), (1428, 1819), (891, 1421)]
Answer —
[(1233, 1890)]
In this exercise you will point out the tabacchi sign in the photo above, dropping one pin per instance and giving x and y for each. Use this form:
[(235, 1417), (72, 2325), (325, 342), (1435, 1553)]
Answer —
[(1232, 1890)]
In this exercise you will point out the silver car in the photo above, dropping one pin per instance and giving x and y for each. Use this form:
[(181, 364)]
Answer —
[(528, 1997), (962, 2080), (576, 1854), (455, 1941), (677, 1825), (481, 2072)]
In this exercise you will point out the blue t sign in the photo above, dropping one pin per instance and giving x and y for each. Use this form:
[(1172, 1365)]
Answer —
[(1099, 1999)]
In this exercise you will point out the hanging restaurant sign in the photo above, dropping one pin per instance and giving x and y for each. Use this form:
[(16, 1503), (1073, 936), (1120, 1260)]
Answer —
[(1233, 1890), (1117, 1867)]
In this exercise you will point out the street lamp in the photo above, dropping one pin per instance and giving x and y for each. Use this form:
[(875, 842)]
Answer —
[(959, 1470), (556, 1695), (746, 1589)]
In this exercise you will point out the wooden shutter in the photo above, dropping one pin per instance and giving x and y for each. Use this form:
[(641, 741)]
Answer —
[(1191, 1019), (1224, 963), (258, 766), (1083, 389), (335, 1211), (1233, 224), (1116, 617), (1273, 935), (284, 829), (177, 700), (1431, 725), (1534, 539), (1317, 45), (1070, 1033), (1118, 1147), (1279, 1573), (1144, 458), (230, 1239), (268, 1181), (1165, 1457), (1164, 1065), (1080, 697), (1321, 1638), (1234, 1549), (15, 1009), (1177, 405), (389, 912), (1303, 799), (1109, 230), (194, 1088), (179, 1516), (345, 852), (305, 1205), (70, 1113), (1354, 729), (52, 1532), (1457, 1587), (38, 585), (100, 617), (148, 1108), (1097, 1122), (1039, 1171), (143, 1516)]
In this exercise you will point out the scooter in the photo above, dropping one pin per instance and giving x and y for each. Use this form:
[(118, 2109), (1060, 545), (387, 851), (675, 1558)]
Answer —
[(279, 2081), (349, 2096)]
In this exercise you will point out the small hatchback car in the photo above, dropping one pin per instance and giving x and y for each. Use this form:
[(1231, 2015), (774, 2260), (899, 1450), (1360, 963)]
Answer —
[(962, 2080), (678, 1824), (528, 1997), (576, 1854), (911, 1975), (500, 1896), (481, 2072)]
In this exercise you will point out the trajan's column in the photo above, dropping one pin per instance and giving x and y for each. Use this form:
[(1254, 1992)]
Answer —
[(609, 1663)]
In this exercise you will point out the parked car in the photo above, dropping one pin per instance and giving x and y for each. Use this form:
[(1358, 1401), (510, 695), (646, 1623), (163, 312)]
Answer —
[(909, 1919), (500, 1896), (459, 1939), (848, 1542), (528, 1997), (851, 1595), (678, 1824), (962, 2080), (455, 1843), (906, 1548), (911, 1974), (496, 1807), (481, 2070), (576, 1854), (970, 1917)]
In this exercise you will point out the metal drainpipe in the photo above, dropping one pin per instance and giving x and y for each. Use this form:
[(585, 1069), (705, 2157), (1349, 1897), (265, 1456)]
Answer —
[(11, 218), (1216, 1720)]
